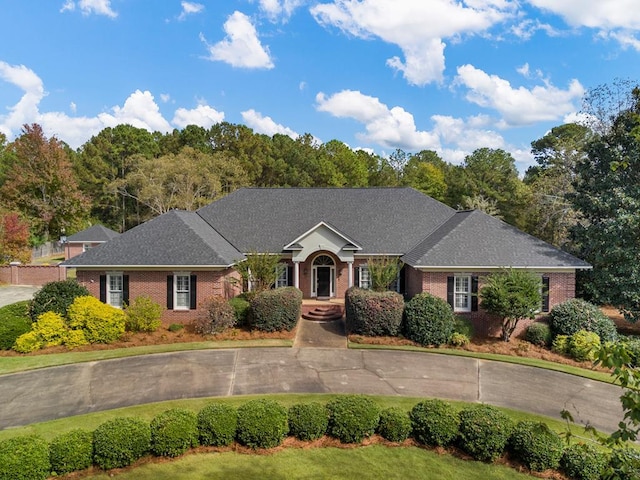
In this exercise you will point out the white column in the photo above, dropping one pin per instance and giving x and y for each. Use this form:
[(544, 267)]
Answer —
[(350, 274), (296, 274)]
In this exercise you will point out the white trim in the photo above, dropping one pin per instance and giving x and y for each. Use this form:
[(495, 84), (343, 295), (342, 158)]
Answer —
[(322, 224), (466, 293), (175, 290), (314, 275), (111, 275), (494, 267), (150, 267)]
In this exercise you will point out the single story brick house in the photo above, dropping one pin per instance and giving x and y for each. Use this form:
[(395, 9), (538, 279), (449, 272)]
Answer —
[(82, 241), (325, 236)]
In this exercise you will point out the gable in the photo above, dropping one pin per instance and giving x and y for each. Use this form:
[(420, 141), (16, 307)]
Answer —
[(322, 237)]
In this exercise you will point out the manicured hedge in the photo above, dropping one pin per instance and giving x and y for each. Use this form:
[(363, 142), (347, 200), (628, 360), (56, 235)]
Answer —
[(14, 321), (241, 307), (276, 310), (119, 442), (24, 458), (538, 333), (373, 313), (101, 323), (434, 422), (352, 418), (583, 345), (173, 432), (583, 462), (308, 421), (394, 424), (217, 424), (428, 320), (576, 314), (536, 446), (262, 424), (71, 451), (484, 432), (56, 297)]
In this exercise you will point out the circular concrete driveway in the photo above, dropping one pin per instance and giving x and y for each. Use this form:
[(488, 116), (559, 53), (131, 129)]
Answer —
[(14, 293), (57, 392)]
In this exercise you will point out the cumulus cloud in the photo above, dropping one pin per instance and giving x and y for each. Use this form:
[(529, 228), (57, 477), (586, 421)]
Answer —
[(241, 47), (27, 107), (418, 28), (594, 13), (88, 7), (203, 115), (518, 106), (190, 8), (266, 125), (279, 9)]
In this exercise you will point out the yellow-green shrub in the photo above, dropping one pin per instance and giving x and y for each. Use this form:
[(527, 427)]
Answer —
[(75, 338), (101, 323), (28, 342), (50, 330), (142, 315)]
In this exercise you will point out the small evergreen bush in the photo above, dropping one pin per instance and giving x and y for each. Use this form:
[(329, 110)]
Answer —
[(583, 462), (583, 345), (560, 344), (394, 424), (241, 308), (276, 310), (50, 330), (308, 421), (121, 441), (262, 424), (218, 315), (576, 314), (28, 342), (484, 432), (428, 320), (75, 338), (374, 314), (14, 321), (175, 327), (459, 339), (217, 424), (142, 315), (173, 432), (536, 445), (352, 418), (24, 458), (56, 297), (632, 345), (434, 422), (101, 323), (71, 451), (539, 334), (624, 463)]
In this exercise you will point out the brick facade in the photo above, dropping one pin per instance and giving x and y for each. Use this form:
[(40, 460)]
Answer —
[(73, 249), (36, 275)]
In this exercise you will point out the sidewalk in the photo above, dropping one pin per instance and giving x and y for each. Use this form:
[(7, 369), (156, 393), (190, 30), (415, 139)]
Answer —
[(320, 334)]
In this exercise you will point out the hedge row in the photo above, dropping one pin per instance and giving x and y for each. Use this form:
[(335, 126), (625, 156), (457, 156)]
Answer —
[(482, 431)]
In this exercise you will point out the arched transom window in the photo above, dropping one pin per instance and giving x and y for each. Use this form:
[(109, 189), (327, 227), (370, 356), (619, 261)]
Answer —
[(323, 260)]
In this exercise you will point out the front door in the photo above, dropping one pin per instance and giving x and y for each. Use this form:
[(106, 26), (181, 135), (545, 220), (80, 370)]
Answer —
[(323, 288)]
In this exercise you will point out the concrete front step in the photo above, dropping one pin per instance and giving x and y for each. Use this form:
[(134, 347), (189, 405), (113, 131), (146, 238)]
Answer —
[(323, 313)]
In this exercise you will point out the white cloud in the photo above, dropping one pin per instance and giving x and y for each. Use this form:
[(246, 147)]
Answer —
[(203, 116), (626, 39), (418, 28), (519, 106), (594, 13), (88, 7), (266, 125), (279, 9), (73, 107), (241, 48), (190, 8), (165, 97), (139, 110), (27, 107)]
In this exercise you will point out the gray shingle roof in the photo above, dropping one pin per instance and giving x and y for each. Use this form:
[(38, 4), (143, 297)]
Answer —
[(177, 238), (475, 239), (93, 234)]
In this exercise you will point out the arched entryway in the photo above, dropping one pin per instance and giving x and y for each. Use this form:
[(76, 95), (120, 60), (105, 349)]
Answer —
[(323, 277)]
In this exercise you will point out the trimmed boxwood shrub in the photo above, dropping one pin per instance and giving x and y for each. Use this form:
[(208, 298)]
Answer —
[(217, 424), (484, 432), (56, 297), (583, 345), (560, 344), (24, 458), (583, 462), (632, 345), (434, 422), (173, 432), (218, 315), (142, 315), (537, 446), (71, 451), (276, 310), (428, 320), (121, 441), (101, 323), (262, 423), (352, 418), (624, 463), (308, 421), (14, 321), (241, 307), (375, 314), (394, 424), (539, 334), (576, 314)]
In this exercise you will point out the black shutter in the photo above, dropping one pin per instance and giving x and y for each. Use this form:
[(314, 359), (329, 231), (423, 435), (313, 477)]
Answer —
[(474, 293), (403, 282), (169, 292), (193, 293), (356, 277), (103, 288), (450, 284), (290, 275), (545, 294), (125, 289)]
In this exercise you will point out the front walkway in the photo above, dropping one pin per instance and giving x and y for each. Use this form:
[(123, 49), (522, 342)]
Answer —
[(318, 333)]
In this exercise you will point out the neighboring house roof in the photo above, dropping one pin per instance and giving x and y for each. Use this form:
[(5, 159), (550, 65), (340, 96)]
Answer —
[(474, 239), (93, 234), (177, 238)]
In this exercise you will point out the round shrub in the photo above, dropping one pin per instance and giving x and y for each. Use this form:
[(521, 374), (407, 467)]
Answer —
[(75, 338), (459, 339), (101, 323), (24, 458), (374, 314), (434, 422), (624, 463), (632, 344), (173, 432), (539, 334), (28, 342), (484, 432), (394, 424), (121, 441), (428, 320), (142, 315), (262, 424), (583, 462), (56, 297), (536, 445), (51, 329), (276, 310), (218, 315), (217, 424), (560, 344), (241, 307), (576, 314), (14, 321), (71, 451), (308, 421), (352, 418), (583, 345)]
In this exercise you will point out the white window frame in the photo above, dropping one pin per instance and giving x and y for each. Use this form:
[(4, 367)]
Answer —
[(462, 293), (178, 290), (86, 246), (365, 277), (283, 278), (117, 292)]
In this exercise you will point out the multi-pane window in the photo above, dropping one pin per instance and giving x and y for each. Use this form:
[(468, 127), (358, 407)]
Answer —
[(283, 278), (115, 290), (86, 246), (182, 292), (365, 277), (462, 294)]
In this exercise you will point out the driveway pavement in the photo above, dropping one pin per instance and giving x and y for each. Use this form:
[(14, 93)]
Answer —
[(57, 392), (14, 293)]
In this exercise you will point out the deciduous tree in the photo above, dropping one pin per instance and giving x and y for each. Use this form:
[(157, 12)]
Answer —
[(14, 238)]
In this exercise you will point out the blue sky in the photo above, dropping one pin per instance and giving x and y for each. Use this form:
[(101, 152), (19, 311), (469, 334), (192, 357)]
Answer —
[(444, 75)]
